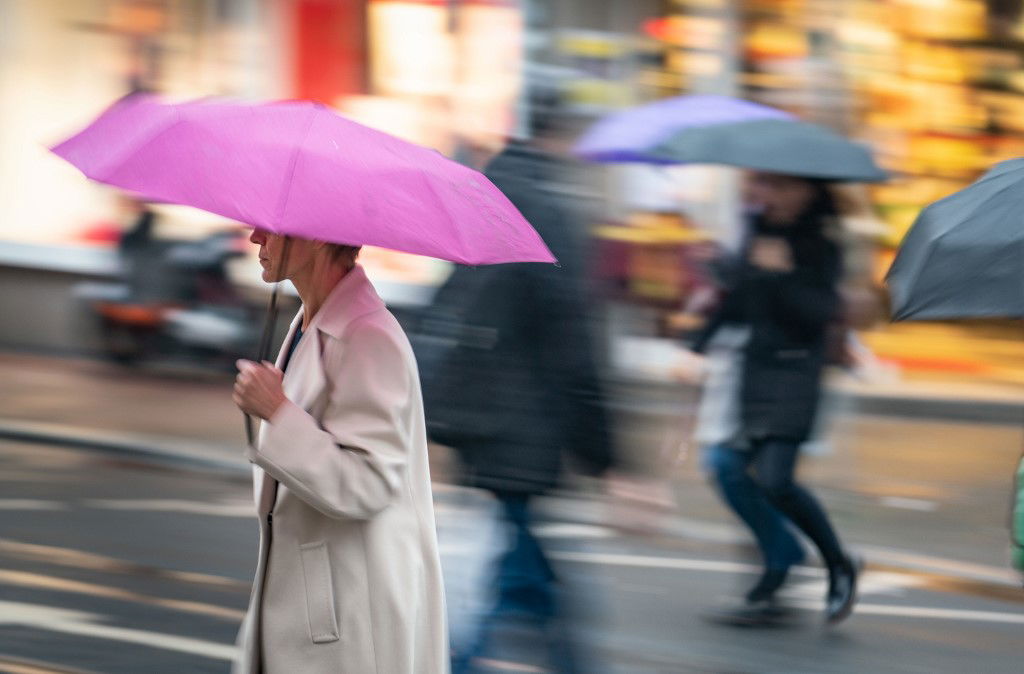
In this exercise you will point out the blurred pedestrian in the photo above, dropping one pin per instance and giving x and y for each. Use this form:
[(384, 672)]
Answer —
[(139, 250), (349, 576), (777, 316), (517, 391), (718, 415)]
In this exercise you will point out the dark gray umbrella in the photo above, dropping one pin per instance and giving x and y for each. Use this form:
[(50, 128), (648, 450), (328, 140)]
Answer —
[(784, 146), (964, 255)]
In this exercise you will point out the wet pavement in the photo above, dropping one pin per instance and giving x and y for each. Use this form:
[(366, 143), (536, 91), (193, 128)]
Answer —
[(113, 566)]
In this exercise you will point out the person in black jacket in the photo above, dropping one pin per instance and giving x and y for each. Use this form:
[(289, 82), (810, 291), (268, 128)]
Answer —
[(785, 292), (514, 388)]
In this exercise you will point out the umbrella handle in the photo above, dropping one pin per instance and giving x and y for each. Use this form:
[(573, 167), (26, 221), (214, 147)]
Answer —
[(269, 323)]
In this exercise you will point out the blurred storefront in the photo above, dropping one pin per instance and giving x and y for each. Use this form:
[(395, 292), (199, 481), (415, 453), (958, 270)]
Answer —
[(933, 85), (63, 62), (417, 68), (658, 222)]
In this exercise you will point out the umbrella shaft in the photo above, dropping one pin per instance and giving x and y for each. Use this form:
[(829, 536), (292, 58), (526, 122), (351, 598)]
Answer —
[(269, 323)]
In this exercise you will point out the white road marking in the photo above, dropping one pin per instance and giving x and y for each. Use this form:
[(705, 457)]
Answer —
[(30, 504), (941, 565), (919, 504), (508, 666), (242, 509), (80, 623), (926, 612), (230, 509), (939, 613), (86, 560), (869, 583), (676, 563), (882, 582), (43, 582), (577, 531)]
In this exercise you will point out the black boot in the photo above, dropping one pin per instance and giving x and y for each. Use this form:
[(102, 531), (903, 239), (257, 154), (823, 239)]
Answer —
[(842, 591)]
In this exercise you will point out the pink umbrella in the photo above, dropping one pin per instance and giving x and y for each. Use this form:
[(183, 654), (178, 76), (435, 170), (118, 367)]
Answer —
[(298, 168)]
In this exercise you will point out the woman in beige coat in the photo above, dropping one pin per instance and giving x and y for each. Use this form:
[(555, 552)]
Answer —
[(348, 577)]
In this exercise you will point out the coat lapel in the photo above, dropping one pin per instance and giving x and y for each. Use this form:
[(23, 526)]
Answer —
[(304, 378), (264, 487)]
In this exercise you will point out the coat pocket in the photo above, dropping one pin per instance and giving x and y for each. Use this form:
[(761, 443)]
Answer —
[(316, 572)]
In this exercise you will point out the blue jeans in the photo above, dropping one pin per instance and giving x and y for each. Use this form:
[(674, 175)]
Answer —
[(730, 469), (526, 589)]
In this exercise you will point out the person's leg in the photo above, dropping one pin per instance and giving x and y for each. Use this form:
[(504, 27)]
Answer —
[(505, 571), (531, 588), (730, 470), (775, 466), (525, 577), (523, 581)]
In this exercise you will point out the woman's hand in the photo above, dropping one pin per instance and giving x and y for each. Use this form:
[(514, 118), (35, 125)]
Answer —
[(771, 254), (258, 389)]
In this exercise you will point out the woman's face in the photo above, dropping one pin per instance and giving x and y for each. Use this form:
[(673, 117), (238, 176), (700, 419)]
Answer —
[(272, 249), (780, 199)]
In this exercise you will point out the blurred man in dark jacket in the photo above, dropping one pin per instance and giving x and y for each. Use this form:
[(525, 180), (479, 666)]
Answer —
[(515, 388)]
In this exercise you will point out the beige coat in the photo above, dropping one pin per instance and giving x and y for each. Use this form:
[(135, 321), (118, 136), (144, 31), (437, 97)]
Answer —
[(348, 578)]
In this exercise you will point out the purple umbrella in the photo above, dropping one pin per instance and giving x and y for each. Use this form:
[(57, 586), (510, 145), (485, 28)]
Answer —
[(298, 168), (628, 136)]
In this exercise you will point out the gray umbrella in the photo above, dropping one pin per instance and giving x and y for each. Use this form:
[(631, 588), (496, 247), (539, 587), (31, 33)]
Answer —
[(784, 146), (964, 255)]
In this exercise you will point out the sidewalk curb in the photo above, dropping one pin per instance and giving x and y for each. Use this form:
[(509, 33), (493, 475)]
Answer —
[(181, 454)]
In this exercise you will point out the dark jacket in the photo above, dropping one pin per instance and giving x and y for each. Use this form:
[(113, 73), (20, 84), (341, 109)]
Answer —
[(789, 315), (511, 381)]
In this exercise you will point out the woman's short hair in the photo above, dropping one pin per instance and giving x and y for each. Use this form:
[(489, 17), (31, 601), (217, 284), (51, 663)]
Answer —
[(341, 253)]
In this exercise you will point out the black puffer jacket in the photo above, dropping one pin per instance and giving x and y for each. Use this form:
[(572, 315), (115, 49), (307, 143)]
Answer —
[(517, 386), (789, 315)]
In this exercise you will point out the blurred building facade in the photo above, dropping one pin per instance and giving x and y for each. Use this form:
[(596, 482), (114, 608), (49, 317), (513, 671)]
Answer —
[(934, 85)]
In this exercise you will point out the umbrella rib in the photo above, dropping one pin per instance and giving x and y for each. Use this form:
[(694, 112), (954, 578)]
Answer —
[(293, 162)]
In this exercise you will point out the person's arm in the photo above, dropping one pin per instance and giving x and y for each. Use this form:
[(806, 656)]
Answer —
[(805, 299), (729, 310), (351, 465)]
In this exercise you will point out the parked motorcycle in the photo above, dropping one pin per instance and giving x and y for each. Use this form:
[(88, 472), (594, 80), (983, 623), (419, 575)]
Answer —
[(175, 300)]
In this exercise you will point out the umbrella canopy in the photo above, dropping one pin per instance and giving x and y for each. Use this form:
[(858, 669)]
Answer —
[(630, 135), (964, 255), (297, 168), (787, 146)]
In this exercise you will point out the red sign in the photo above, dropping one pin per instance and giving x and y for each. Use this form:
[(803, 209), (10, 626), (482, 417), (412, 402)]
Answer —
[(330, 49)]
